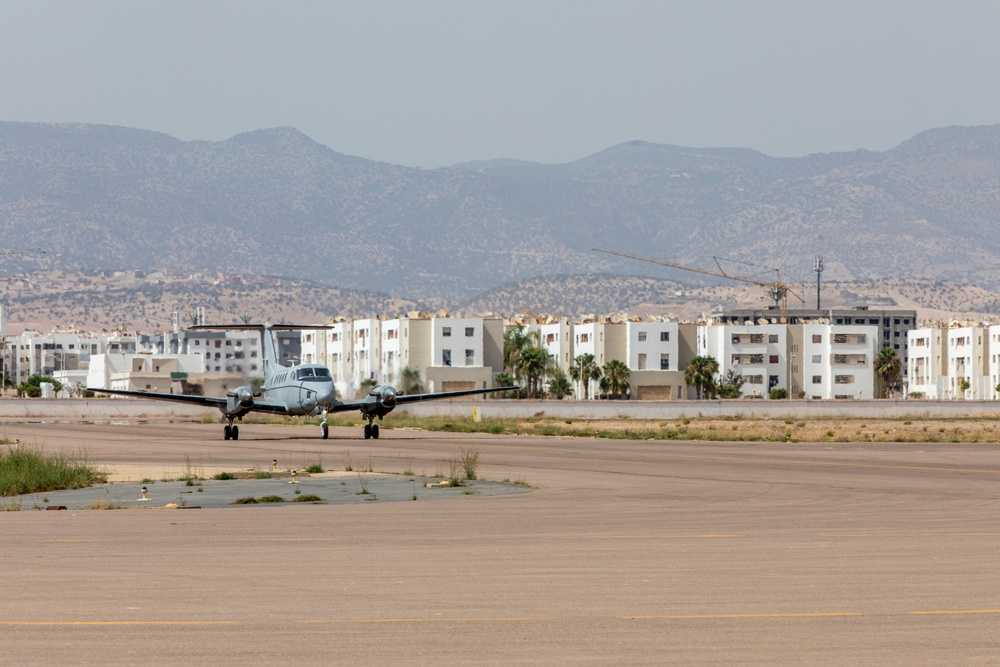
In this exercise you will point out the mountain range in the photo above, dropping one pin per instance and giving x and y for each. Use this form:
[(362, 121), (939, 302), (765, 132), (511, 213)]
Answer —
[(275, 203)]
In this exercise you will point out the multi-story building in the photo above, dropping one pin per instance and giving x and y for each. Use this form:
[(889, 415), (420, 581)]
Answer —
[(758, 352), (466, 353), (657, 354), (968, 363), (892, 324), (928, 362), (833, 361)]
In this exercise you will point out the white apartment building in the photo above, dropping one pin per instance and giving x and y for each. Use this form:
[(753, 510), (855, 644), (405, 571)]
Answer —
[(366, 352), (837, 361), (757, 352), (993, 338), (604, 340), (657, 357), (466, 352), (927, 370), (968, 361), (557, 341)]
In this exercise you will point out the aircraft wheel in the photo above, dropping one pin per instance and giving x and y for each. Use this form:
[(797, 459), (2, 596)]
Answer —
[(228, 433), (368, 431), (324, 430), (236, 432), (375, 431)]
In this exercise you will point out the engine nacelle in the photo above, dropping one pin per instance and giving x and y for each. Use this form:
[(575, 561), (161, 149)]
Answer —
[(239, 400), (385, 395)]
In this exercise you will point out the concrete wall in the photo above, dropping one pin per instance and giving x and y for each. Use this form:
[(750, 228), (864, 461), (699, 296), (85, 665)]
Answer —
[(21, 409)]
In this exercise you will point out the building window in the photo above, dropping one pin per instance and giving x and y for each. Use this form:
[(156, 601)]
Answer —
[(642, 362), (772, 359), (736, 339), (817, 339), (843, 379), (664, 362), (642, 336), (470, 332), (664, 336), (817, 358), (584, 338), (817, 379), (772, 338), (446, 357), (470, 357), (446, 332)]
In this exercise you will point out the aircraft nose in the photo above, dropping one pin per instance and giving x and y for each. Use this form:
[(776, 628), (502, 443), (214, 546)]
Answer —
[(326, 396)]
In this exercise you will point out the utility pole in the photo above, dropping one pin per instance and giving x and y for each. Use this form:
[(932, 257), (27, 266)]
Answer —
[(818, 268)]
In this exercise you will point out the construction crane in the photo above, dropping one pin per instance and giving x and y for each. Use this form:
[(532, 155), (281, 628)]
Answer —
[(777, 290)]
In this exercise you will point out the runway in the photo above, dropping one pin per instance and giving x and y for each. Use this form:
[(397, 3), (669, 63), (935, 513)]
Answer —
[(625, 551)]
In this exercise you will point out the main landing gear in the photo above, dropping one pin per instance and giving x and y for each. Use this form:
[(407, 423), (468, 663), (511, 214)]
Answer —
[(232, 431), (371, 430)]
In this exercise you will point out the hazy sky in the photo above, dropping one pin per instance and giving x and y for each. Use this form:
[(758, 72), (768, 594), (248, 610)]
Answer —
[(433, 82)]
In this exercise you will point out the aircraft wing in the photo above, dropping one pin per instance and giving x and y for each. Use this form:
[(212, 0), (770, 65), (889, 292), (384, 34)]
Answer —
[(208, 401), (387, 398)]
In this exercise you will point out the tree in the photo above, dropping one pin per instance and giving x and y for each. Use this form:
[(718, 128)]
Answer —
[(731, 385), (964, 385), (700, 373), (559, 386), (366, 386), (888, 368), (410, 381), (515, 341), (615, 380), (585, 369), (534, 364), (32, 387)]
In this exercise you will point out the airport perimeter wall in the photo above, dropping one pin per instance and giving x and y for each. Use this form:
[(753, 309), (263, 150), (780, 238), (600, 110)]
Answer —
[(38, 409), (669, 410)]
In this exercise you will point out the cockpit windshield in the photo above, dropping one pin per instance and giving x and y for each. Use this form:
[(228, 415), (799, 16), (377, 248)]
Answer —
[(309, 374)]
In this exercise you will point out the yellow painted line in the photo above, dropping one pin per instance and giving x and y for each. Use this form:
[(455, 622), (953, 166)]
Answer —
[(831, 614), (743, 459), (117, 622), (944, 612), (435, 620)]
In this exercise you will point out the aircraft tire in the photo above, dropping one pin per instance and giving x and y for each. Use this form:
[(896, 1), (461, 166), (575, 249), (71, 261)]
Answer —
[(324, 430), (375, 431), (227, 433), (368, 431), (236, 432)]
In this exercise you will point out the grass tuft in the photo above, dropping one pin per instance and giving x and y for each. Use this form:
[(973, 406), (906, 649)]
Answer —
[(29, 470)]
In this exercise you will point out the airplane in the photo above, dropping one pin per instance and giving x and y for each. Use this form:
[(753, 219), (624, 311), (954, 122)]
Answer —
[(297, 390)]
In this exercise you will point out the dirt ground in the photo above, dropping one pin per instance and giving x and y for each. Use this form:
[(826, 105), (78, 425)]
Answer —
[(913, 429)]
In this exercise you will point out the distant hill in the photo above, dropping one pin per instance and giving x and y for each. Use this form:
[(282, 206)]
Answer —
[(95, 301), (274, 202)]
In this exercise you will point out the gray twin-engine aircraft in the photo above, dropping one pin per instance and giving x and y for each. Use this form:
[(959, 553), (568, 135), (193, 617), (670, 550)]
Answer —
[(299, 390)]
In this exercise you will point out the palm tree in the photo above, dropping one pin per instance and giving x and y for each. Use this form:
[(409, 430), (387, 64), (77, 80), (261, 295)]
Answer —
[(584, 370), (888, 368), (516, 341), (615, 380), (700, 372), (534, 363), (559, 386), (410, 381)]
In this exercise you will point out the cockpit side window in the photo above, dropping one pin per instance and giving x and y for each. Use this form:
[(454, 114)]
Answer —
[(304, 374), (323, 373)]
